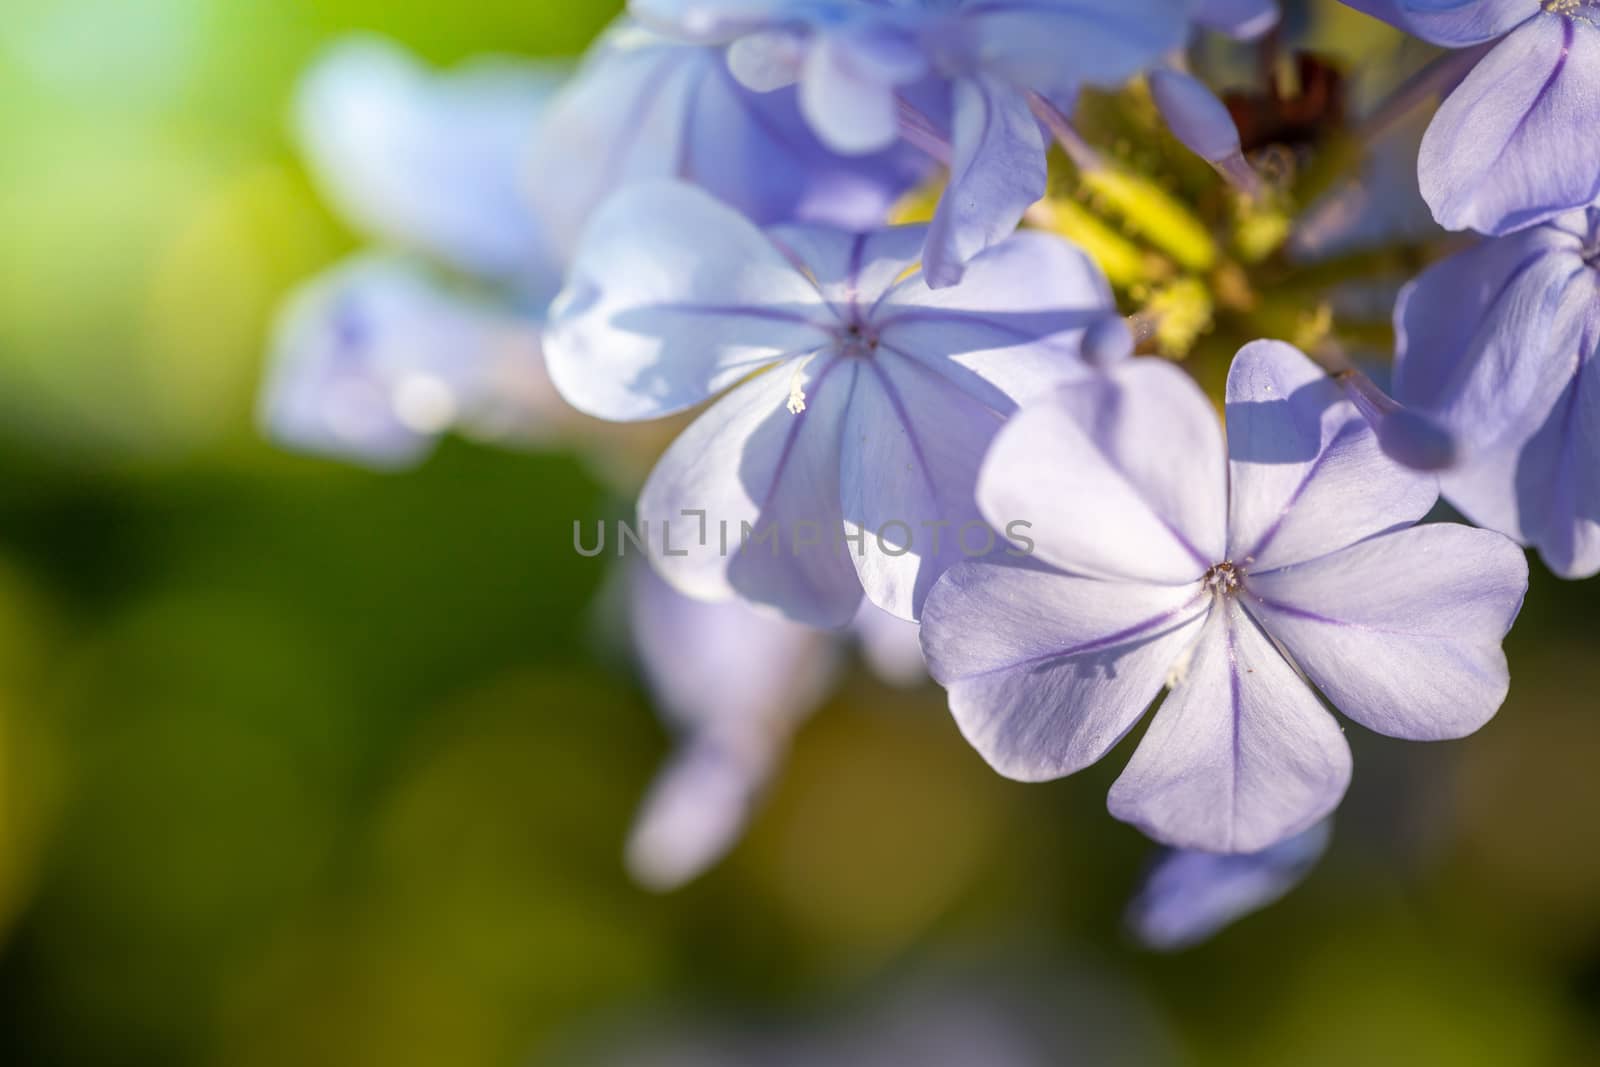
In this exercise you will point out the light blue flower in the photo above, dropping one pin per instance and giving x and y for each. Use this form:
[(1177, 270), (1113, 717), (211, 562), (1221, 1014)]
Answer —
[(857, 446), (1225, 570), (1499, 343), (490, 171), (1512, 146), (432, 163), (374, 360)]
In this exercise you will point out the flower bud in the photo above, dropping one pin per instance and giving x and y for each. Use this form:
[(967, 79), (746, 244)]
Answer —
[(1202, 122), (1406, 436), (1107, 341)]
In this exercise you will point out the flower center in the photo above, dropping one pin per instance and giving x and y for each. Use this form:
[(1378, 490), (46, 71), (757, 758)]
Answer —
[(1572, 9), (857, 340), (1591, 247), (1222, 580)]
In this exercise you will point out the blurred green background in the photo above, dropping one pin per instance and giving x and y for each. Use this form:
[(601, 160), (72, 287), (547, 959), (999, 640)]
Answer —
[(303, 765)]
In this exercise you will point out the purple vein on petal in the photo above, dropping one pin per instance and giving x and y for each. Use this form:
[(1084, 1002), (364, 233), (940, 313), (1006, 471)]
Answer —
[(1327, 620), (925, 315), (1567, 32), (898, 403), (852, 283), (877, 304), (1235, 694), (921, 366), (639, 112), (1354, 426), (804, 270), (797, 424), (1177, 535), (739, 311), (683, 166), (1098, 644)]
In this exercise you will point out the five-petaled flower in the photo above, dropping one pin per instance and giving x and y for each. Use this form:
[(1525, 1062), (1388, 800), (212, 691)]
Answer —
[(852, 458), (1499, 343), (1233, 572)]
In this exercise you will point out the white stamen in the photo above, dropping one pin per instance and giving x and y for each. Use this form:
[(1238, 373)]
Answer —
[(797, 390), (1180, 669)]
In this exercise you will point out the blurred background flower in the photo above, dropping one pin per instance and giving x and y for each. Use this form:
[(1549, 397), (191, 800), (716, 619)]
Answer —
[(303, 764)]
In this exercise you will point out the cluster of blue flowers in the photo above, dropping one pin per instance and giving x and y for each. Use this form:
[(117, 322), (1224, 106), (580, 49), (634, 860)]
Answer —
[(702, 211)]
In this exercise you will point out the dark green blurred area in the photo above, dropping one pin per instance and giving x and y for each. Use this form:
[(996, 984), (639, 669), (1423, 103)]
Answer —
[(301, 765)]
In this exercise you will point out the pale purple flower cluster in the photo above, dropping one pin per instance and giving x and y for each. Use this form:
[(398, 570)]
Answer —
[(945, 424), (1496, 343), (978, 84), (474, 185)]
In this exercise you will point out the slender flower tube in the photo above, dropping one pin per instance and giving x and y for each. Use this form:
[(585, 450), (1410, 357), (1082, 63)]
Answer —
[(1201, 121)]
